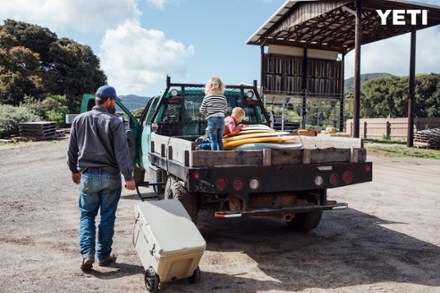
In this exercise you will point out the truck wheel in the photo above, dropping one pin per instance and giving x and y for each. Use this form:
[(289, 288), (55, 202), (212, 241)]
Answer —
[(305, 221), (151, 280), (175, 190)]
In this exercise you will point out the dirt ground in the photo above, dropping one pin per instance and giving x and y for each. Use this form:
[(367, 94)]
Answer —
[(388, 240)]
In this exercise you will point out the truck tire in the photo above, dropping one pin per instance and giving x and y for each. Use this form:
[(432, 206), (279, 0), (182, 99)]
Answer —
[(175, 190), (305, 221)]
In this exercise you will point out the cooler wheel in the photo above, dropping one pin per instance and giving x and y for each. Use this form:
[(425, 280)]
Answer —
[(151, 280), (195, 276)]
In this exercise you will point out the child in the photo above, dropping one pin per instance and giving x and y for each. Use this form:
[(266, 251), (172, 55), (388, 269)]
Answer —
[(232, 122), (214, 107)]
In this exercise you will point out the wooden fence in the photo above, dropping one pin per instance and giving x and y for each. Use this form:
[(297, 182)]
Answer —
[(395, 128)]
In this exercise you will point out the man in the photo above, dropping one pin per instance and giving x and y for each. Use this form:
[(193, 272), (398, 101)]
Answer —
[(98, 152)]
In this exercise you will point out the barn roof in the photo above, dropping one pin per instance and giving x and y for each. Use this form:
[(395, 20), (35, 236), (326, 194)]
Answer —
[(330, 24)]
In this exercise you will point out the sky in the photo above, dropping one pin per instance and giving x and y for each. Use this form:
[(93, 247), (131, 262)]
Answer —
[(140, 42)]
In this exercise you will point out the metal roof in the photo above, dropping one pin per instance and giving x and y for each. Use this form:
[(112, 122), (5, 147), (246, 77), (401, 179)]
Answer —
[(330, 24)]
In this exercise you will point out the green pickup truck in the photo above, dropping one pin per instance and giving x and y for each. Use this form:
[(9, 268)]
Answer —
[(290, 185)]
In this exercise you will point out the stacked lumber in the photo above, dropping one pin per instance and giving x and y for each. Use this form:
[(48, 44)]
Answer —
[(308, 132), (429, 138), (332, 132), (38, 130)]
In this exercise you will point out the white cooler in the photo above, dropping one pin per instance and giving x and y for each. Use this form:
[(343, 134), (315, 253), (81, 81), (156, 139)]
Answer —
[(167, 242)]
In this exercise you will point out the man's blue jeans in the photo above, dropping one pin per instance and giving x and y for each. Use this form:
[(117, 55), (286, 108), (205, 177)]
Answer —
[(99, 190), (216, 126)]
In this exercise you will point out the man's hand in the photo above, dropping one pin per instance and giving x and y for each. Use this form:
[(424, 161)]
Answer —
[(130, 185), (76, 178)]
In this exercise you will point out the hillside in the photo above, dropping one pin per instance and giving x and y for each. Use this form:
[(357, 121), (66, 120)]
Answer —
[(133, 102), (349, 82)]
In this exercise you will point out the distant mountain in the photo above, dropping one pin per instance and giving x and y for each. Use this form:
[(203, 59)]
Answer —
[(349, 82), (133, 102)]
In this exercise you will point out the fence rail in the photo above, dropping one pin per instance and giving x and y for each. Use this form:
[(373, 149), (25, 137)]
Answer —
[(395, 128)]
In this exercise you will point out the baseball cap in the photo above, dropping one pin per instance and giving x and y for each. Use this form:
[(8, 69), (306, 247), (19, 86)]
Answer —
[(107, 91)]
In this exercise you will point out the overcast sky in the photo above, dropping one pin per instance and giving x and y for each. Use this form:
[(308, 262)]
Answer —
[(139, 42)]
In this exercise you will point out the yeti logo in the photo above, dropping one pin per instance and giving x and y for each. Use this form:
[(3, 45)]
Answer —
[(398, 16)]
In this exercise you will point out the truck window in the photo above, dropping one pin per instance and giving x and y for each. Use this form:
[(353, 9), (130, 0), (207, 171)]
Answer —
[(151, 111), (183, 118)]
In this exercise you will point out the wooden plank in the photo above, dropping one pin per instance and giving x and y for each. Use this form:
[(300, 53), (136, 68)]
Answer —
[(286, 157), (267, 157), (354, 156), (226, 158), (329, 155), (306, 156)]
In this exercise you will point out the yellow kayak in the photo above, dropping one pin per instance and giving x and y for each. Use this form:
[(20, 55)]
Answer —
[(273, 139)]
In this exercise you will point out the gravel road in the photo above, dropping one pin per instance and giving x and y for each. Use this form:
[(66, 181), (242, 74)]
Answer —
[(388, 240)]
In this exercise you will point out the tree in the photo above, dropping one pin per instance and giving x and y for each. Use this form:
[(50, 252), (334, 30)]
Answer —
[(388, 97), (34, 62), (75, 71), (19, 75), (36, 38)]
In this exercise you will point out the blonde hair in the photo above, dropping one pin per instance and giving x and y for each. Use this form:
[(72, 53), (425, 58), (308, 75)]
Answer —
[(238, 111), (214, 86)]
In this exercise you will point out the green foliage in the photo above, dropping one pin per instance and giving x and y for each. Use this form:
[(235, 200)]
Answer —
[(34, 62), (386, 137), (349, 83), (78, 68), (388, 97), (402, 151), (19, 75), (137, 113), (52, 108), (11, 117)]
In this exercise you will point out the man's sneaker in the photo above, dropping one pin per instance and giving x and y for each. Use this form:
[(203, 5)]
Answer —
[(87, 263), (110, 259)]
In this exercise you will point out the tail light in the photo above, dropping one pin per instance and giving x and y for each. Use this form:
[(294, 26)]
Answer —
[(367, 168), (174, 101), (347, 177), (221, 183), (196, 175), (333, 179), (237, 184)]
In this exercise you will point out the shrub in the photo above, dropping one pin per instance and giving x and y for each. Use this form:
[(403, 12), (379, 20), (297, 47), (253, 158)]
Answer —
[(52, 108), (11, 117)]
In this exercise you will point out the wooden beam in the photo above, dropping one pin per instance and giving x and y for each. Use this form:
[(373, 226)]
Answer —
[(304, 88), (357, 69), (412, 89), (341, 104)]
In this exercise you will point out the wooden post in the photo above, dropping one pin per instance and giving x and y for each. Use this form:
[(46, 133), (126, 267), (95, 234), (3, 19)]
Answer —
[(412, 89), (388, 130), (357, 69), (341, 105), (262, 70), (365, 129), (304, 88)]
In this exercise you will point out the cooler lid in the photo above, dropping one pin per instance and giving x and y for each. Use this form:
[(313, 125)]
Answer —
[(170, 225)]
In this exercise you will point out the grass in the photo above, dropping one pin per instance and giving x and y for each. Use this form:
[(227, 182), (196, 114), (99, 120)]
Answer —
[(398, 150), (385, 140)]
